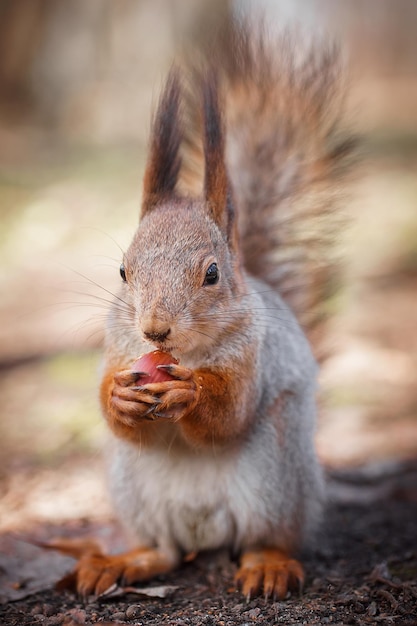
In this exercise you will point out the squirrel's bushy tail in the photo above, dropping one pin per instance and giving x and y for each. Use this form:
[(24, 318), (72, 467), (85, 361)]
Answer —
[(285, 157)]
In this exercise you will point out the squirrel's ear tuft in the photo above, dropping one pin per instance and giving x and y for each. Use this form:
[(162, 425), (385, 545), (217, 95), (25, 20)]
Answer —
[(164, 162), (216, 184)]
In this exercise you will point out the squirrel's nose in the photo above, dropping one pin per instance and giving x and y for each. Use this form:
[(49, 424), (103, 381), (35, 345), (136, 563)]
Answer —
[(157, 336)]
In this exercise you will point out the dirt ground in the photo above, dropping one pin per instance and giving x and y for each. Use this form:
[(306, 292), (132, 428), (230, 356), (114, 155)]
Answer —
[(363, 570)]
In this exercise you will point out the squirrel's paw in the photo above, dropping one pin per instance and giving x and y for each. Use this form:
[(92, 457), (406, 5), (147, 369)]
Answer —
[(132, 403), (97, 573), (129, 403), (270, 570), (171, 399)]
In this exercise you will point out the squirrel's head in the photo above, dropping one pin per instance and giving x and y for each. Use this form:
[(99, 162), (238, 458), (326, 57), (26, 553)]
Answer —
[(182, 270)]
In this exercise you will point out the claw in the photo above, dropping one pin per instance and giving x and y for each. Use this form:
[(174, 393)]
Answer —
[(152, 412), (137, 375), (162, 415), (176, 371), (108, 591), (167, 368)]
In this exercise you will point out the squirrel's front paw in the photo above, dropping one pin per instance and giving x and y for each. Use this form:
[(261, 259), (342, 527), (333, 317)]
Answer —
[(171, 399), (127, 402)]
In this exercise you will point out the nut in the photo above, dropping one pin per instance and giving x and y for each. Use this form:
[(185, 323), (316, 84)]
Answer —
[(148, 364)]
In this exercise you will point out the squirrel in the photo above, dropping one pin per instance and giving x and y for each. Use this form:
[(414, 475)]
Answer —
[(228, 280)]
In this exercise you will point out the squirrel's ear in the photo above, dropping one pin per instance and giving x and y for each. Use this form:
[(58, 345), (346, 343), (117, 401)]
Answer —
[(216, 184), (164, 162)]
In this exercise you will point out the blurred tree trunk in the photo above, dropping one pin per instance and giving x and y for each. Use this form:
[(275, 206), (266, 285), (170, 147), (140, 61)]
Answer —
[(21, 29), (90, 66)]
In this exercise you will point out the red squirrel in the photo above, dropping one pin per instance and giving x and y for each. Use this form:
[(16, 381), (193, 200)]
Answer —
[(226, 280)]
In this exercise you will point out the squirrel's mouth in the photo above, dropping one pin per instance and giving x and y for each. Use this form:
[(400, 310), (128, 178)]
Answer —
[(159, 345)]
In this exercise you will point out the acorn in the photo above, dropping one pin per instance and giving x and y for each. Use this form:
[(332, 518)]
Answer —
[(147, 363)]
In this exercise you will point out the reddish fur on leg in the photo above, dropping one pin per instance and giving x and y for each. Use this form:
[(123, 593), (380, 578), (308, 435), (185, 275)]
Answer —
[(216, 418), (95, 573), (270, 570)]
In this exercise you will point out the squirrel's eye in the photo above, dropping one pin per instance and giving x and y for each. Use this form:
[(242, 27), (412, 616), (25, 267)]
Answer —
[(123, 272), (212, 275)]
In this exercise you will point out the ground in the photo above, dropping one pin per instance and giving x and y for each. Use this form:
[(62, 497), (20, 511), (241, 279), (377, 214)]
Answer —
[(362, 571)]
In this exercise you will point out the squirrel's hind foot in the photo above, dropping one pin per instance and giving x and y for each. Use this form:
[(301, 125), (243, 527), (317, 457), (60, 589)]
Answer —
[(269, 570), (96, 573)]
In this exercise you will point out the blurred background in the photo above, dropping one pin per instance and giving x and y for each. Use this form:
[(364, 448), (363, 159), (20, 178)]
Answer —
[(77, 83)]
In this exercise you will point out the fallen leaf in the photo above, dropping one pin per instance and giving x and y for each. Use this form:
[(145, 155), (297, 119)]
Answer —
[(26, 569), (161, 591)]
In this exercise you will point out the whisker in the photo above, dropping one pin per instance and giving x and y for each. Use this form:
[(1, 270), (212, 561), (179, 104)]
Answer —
[(123, 306), (93, 282), (103, 232)]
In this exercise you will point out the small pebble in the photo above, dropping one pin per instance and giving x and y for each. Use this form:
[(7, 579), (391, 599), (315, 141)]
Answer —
[(37, 610), (253, 613), (48, 610), (119, 615), (358, 607), (55, 620), (133, 611), (79, 616)]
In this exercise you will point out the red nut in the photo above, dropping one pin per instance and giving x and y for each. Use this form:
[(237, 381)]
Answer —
[(148, 363)]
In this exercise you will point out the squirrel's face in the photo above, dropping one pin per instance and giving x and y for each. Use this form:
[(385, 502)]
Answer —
[(180, 279)]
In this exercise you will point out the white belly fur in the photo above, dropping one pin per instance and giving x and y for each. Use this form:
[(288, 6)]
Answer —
[(196, 501)]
